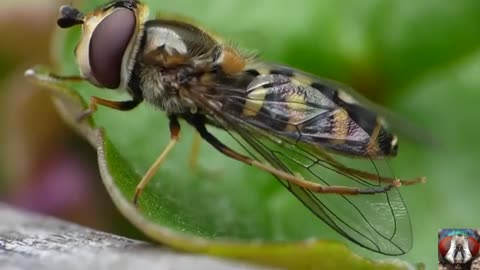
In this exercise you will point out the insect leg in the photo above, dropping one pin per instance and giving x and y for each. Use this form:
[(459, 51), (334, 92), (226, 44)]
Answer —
[(94, 101), (117, 105), (367, 175), (376, 178), (299, 181), (174, 136)]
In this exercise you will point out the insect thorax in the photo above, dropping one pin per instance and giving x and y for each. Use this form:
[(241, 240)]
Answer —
[(159, 88), (172, 56)]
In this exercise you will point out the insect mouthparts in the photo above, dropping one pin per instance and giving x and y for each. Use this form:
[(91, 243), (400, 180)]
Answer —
[(69, 16)]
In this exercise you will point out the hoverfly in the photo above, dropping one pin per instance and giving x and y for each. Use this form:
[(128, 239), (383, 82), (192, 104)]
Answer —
[(294, 125)]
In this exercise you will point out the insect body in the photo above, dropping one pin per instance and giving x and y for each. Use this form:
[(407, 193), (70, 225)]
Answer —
[(294, 125)]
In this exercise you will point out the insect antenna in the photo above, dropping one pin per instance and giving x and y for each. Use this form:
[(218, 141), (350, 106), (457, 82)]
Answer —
[(69, 17)]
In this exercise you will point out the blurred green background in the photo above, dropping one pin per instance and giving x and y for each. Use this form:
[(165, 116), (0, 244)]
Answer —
[(420, 59)]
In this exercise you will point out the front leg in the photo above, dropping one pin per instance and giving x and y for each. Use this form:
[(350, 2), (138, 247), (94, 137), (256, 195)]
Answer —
[(50, 79), (117, 105)]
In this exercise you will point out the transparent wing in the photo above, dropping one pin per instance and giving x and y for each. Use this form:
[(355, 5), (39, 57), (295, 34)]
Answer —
[(377, 222)]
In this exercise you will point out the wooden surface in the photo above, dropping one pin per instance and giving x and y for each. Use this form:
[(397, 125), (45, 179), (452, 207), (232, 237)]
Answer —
[(30, 241)]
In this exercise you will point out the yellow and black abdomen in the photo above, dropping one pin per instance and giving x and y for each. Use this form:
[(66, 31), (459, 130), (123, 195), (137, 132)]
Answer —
[(313, 114)]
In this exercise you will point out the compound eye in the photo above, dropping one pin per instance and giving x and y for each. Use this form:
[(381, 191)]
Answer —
[(444, 245), (108, 44), (473, 246)]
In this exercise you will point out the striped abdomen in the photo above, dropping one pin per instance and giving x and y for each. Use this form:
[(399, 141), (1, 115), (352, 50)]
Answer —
[(315, 113)]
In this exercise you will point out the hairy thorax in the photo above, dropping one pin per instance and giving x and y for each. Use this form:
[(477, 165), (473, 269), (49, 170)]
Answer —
[(162, 88)]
